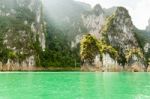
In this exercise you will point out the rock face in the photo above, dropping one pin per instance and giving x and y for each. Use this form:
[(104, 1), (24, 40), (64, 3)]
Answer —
[(147, 47), (108, 61), (22, 32), (118, 31), (93, 20)]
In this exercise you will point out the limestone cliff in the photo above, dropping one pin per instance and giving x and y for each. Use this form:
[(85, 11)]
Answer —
[(118, 33), (94, 19), (22, 31)]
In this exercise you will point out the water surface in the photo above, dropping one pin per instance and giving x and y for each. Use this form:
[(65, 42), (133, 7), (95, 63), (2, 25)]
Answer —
[(74, 85)]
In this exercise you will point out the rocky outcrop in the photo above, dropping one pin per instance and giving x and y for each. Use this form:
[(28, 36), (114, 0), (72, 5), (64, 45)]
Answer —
[(110, 64), (93, 20), (118, 32), (97, 54), (117, 38), (108, 61), (22, 32), (26, 64)]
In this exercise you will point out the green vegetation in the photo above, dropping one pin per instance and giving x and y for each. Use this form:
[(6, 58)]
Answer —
[(58, 49), (64, 23), (24, 14), (109, 26), (59, 34), (134, 51), (143, 37), (90, 47), (105, 48)]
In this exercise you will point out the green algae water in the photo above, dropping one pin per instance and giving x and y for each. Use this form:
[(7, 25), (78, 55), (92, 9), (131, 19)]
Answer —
[(74, 85)]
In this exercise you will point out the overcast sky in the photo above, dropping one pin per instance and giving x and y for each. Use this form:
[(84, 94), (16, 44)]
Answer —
[(138, 9)]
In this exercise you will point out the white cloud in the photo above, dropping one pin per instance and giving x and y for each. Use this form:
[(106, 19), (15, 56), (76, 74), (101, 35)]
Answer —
[(141, 13), (138, 9)]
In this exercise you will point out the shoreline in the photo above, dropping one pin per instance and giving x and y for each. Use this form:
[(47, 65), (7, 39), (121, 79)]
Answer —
[(35, 69), (69, 68)]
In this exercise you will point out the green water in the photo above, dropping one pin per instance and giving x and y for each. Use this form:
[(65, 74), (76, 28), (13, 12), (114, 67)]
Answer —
[(74, 85)]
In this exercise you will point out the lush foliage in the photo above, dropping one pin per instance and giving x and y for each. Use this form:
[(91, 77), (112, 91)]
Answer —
[(105, 48), (143, 37), (58, 49), (90, 47), (134, 51)]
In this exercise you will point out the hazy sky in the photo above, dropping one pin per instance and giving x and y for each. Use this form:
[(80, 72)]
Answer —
[(138, 9)]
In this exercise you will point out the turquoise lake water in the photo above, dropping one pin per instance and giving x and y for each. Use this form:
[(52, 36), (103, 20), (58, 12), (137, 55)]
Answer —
[(74, 85)]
